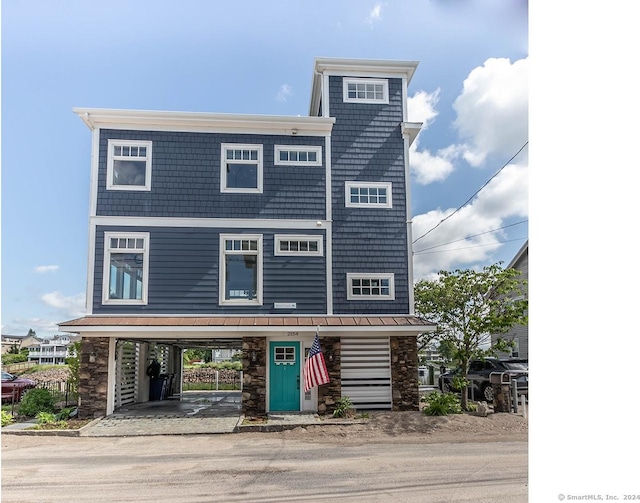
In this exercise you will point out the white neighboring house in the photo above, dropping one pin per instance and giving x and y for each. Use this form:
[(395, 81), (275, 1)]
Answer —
[(52, 351), (519, 334)]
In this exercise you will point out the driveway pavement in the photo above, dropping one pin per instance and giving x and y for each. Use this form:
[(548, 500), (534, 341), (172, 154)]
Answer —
[(251, 467)]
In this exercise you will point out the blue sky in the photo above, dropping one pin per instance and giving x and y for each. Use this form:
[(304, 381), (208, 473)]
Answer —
[(470, 89)]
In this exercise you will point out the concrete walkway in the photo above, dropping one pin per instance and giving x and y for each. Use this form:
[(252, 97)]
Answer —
[(188, 414)]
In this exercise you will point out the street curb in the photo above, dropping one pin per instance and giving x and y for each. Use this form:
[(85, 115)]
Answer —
[(49, 433)]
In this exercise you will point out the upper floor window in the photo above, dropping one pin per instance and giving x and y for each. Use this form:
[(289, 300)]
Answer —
[(287, 155), (368, 194), (241, 269), (129, 165), (370, 286), (241, 168), (287, 244), (365, 91), (126, 268)]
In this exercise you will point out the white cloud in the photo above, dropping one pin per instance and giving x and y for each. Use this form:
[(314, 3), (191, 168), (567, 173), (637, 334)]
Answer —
[(428, 168), (492, 110), (504, 197), (41, 326), (73, 306), (43, 269), (375, 15), (285, 91), (421, 107)]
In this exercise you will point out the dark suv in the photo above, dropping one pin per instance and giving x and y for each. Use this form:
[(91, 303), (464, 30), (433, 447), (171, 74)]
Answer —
[(479, 371)]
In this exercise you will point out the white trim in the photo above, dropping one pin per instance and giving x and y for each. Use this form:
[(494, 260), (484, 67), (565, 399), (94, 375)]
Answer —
[(106, 270), (91, 262), (154, 120), (365, 81), (224, 147), (297, 148), (325, 96), (111, 377), (407, 182), (348, 185), (222, 269), (111, 157), (222, 223), (317, 238), (370, 276), (329, 226), (94, 166)]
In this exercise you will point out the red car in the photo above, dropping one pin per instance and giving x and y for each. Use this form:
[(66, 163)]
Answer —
[(13, 386)]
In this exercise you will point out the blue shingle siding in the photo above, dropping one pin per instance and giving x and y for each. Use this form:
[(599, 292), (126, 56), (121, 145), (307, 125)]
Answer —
[(367, 146), (183, 274), (185, 179)]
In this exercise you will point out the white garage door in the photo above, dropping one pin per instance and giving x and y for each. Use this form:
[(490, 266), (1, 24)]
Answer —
[(366, 372)]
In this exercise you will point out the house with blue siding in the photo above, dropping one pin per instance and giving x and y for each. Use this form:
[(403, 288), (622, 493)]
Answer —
[(256, 232)]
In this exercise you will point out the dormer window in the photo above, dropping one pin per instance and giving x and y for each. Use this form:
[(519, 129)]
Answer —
[(365, 91)]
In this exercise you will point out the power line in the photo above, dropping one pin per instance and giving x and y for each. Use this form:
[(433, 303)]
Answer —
[(474, 195), (478, 246), (468, 237)]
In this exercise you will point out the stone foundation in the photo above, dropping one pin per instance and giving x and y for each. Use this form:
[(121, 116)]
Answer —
[(329, 393), (404, 373), (92, 385), (254, 387)]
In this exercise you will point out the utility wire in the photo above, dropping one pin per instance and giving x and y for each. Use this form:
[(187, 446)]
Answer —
[(478, 246), (474, 195), (468, 237)]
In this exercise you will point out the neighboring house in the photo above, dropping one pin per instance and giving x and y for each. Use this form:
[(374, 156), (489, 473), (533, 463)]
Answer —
[(51, 351), (252, 232), (223, 355), (17, 341), (519, 334)]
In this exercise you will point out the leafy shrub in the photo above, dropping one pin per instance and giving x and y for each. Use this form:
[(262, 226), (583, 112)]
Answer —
[(36, 400), (442, 404), (7, 418), (343, 405), (46, 417)]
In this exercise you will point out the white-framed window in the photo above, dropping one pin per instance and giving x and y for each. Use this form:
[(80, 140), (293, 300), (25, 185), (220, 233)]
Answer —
[(241, 168), (365, 90), (240, 269), (288, 244), (128, 165), (126, 268), (284, 355), (365, 286), (288, 155), (367, 194)]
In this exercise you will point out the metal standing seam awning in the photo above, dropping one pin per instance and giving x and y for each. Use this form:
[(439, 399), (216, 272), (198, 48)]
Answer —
[(197, 328)]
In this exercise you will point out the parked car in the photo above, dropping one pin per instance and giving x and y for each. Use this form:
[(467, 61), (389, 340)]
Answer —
[(479, 372), (13, 386)]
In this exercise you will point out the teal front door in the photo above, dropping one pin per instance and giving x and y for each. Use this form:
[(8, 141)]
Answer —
[(284, 376)]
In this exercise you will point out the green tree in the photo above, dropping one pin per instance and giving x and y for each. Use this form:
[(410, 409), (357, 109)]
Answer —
[(468, 306)]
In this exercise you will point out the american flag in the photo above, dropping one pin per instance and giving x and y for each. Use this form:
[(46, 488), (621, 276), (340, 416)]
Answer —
[(315, 369)]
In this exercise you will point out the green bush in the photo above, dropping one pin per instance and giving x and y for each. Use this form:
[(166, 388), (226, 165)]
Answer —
[(442, 404), (7, 418), (343, 405), (36, 400)]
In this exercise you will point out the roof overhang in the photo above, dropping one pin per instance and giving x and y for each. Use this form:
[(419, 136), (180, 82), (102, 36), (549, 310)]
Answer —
[(156, 120), (356, 68), (411, 130), (171, 327)]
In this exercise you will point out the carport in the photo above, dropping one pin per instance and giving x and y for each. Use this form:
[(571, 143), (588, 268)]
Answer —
[(370, 359)]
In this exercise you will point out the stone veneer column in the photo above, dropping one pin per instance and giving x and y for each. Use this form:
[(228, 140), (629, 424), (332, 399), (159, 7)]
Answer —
[(92, 385), (332, 391), (404, 373), (254, 386)]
